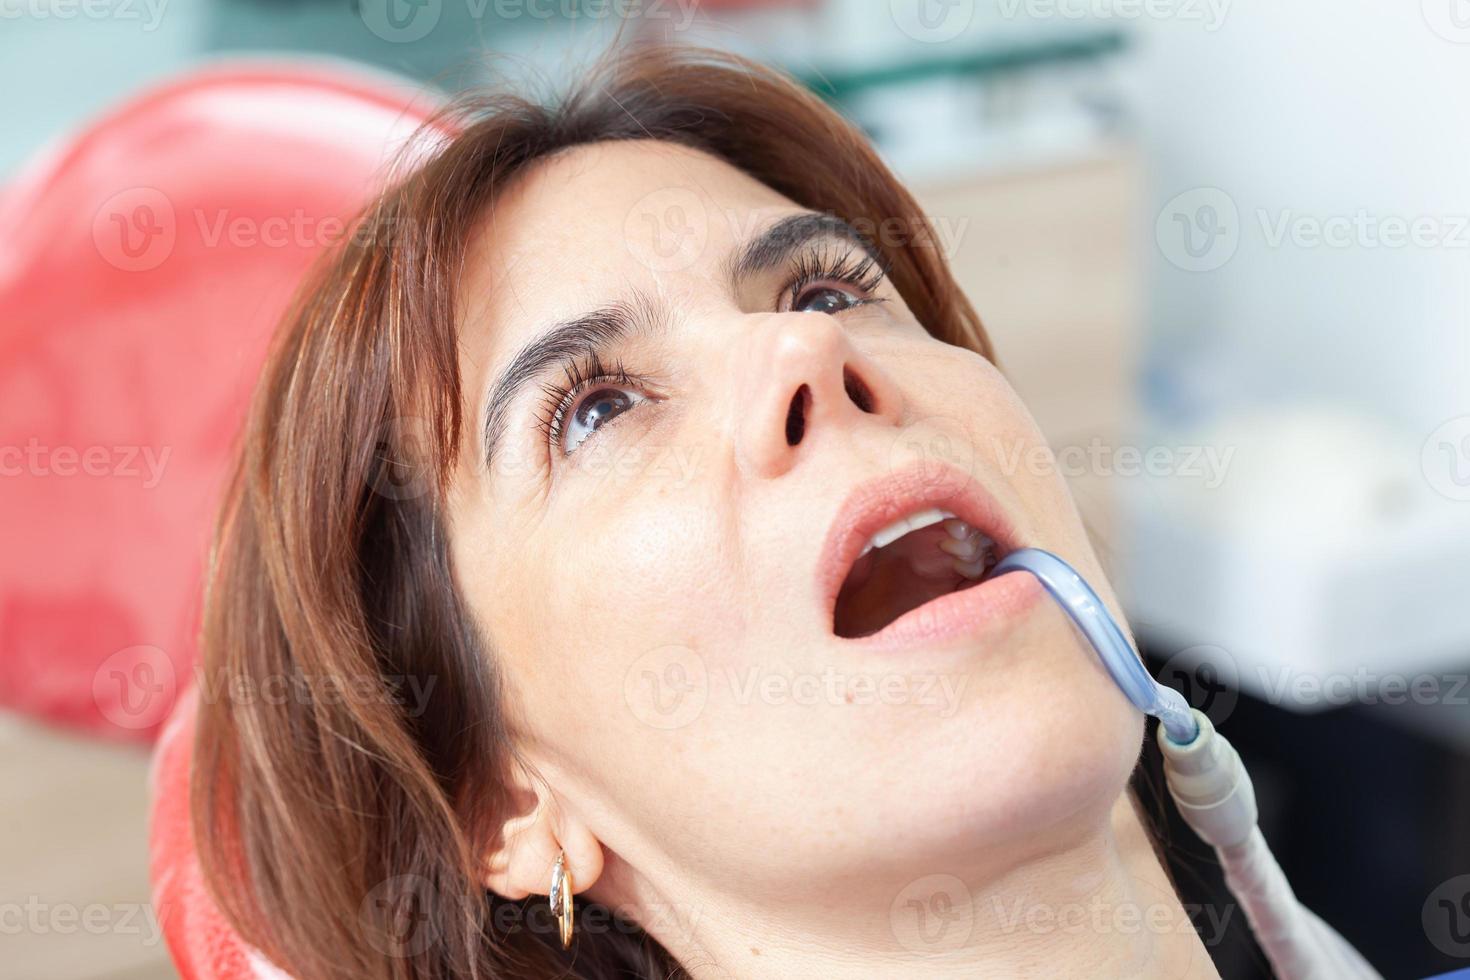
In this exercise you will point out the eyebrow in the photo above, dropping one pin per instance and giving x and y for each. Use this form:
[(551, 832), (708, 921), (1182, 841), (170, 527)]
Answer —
[(591, 334)]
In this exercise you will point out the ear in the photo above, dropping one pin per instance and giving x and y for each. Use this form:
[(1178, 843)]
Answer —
[(520, 862)]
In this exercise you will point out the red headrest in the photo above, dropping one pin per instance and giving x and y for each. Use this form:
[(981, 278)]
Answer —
[(203, 945), (147, 261), (155, 256)]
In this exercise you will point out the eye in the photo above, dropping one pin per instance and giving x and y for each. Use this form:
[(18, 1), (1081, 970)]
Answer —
[(824, 299), (593, 410), (828, 278)]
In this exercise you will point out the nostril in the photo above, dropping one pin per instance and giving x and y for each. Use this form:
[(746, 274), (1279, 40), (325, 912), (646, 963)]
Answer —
[(861, 396), (796, 415)]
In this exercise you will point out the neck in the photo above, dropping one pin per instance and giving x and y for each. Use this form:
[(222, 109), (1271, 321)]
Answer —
[(1100, 907)]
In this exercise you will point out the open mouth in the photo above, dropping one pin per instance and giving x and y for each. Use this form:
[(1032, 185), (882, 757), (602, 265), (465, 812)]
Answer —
[(920, 557)]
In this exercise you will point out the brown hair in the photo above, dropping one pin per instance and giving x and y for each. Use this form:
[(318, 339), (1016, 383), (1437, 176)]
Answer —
[(340, 831)]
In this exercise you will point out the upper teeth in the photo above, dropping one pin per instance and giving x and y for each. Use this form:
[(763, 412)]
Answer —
[(967, 551), (903, 526)]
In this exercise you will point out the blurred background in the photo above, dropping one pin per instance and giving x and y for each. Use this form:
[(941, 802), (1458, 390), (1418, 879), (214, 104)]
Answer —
[(1222, 248)]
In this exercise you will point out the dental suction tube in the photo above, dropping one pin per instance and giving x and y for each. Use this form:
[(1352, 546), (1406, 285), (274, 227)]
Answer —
[(1087, 611), (1209, 785)]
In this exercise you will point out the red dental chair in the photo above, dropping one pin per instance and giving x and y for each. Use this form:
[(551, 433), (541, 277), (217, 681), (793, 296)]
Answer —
[(149, 259)]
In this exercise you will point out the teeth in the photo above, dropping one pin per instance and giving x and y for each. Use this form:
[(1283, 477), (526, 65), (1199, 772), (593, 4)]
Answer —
[(970, 569), (970, 552), (968, 549), (903, 526), (973, 552)]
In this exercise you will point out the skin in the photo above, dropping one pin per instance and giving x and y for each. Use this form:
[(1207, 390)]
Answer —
[(758, 829)]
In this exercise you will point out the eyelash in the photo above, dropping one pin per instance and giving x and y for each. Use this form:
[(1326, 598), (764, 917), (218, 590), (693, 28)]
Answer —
[(851, 268), (580, 375)]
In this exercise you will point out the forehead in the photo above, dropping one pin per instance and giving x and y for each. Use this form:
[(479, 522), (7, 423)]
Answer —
[(593, 224)]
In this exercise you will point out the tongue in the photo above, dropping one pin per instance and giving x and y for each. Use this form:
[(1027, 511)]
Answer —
[(888, 582)]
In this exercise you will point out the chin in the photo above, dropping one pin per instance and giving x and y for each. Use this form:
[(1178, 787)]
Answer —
[(1033, 757)]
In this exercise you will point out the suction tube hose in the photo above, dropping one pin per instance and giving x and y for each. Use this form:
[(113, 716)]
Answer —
[(1210, 787)]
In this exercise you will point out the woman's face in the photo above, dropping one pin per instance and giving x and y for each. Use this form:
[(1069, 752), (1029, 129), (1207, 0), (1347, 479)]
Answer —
[(699, 403)]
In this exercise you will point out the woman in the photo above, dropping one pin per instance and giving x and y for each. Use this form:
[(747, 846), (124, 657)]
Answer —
[(621, 498)]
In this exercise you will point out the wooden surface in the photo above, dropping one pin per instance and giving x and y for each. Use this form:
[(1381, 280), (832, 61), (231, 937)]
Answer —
[(74, 858)]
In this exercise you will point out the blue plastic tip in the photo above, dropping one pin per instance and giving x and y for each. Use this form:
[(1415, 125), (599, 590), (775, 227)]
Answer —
[(1092, 617)]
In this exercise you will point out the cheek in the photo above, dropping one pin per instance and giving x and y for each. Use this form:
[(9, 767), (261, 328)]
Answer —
[(623, 577), (621, 574), (1007, 449)]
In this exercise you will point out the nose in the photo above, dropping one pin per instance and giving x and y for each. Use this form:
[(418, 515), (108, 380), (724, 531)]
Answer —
[(802, 379)]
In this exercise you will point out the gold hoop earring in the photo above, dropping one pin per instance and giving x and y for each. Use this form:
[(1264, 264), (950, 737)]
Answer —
[(561, 898)]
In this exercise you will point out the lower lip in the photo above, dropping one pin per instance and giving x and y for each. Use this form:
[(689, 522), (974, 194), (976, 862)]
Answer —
[(981, 610)]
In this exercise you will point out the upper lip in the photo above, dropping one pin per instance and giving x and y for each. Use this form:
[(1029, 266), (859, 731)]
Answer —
[(874, 504)]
